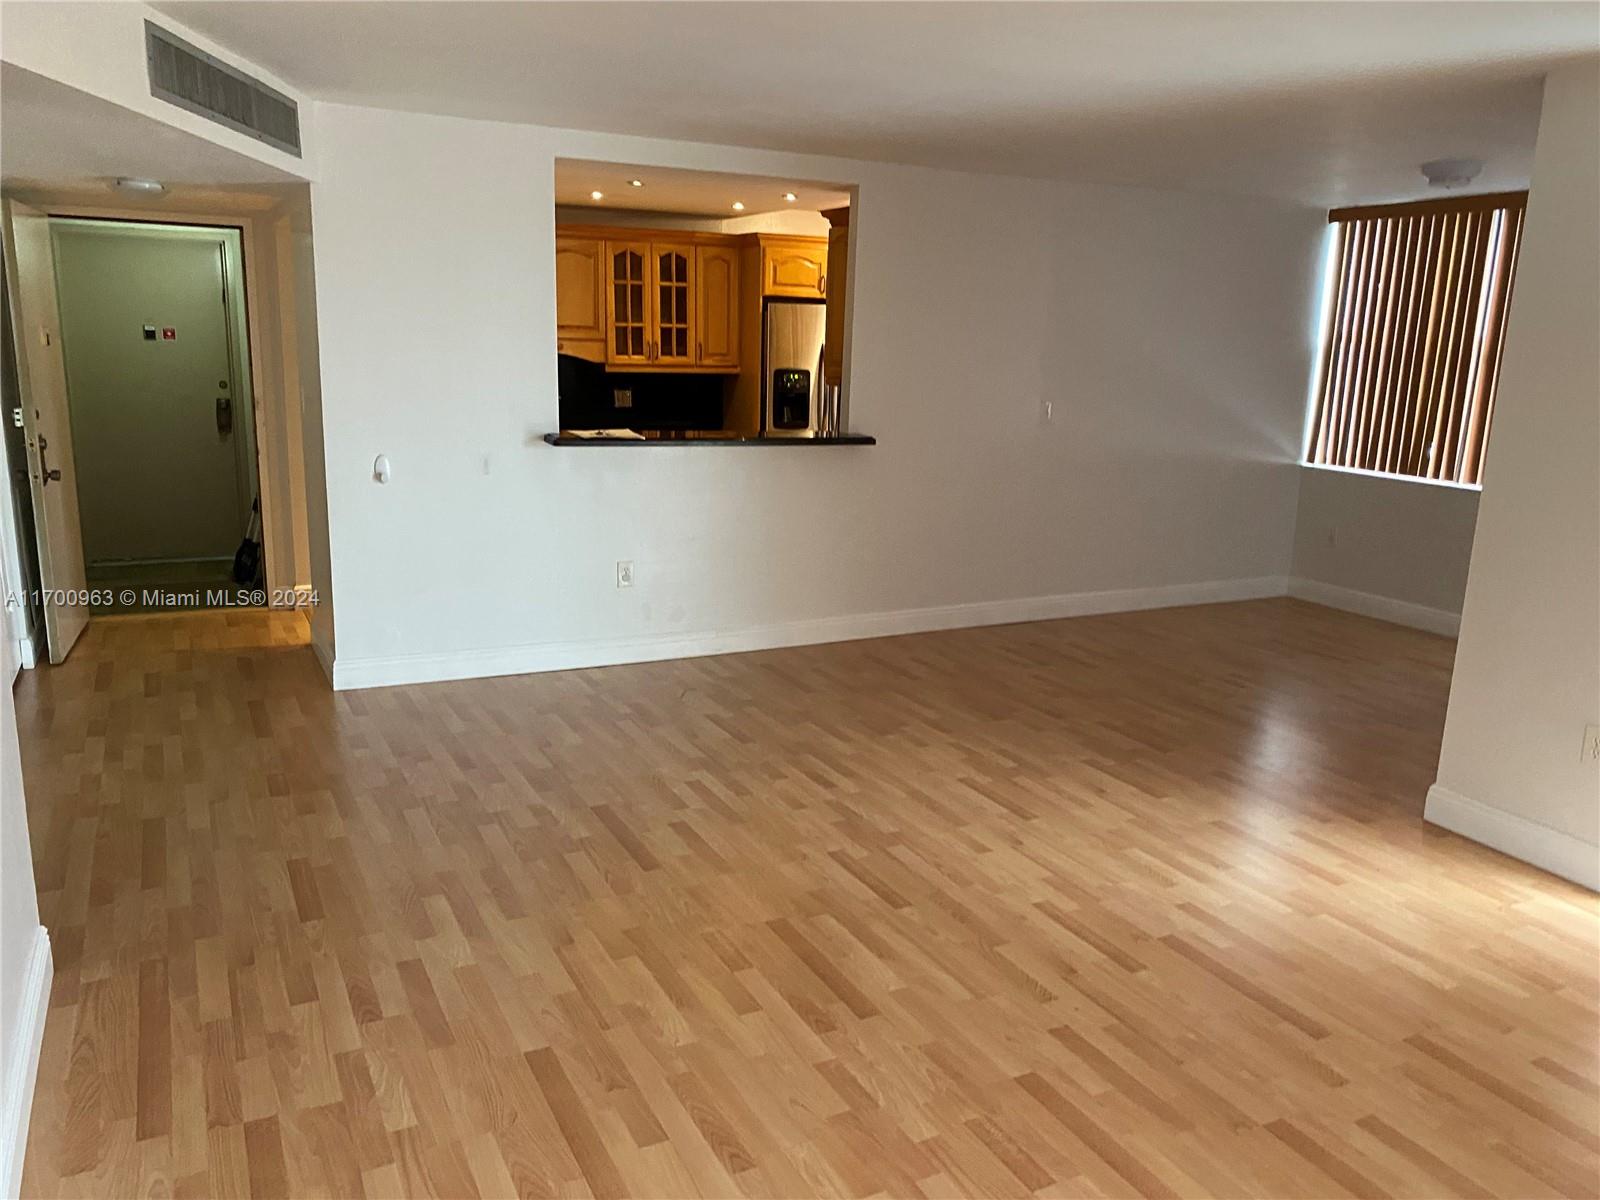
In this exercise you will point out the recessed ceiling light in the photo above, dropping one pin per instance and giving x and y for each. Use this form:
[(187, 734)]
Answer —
[(790, 197), (597, 195), (738, 206), (635, 183), (149, 187)]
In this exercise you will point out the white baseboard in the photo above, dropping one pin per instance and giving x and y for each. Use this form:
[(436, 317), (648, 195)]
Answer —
[(324, 655), (26, 1039), (604, 652), (1384, 608), (1548, 849)]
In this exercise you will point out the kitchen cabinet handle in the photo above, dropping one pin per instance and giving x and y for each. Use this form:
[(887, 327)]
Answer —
[(699, 352), (822, 284)]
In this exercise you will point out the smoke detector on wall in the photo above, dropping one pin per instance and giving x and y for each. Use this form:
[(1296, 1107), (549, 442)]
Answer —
[(1452, 172)]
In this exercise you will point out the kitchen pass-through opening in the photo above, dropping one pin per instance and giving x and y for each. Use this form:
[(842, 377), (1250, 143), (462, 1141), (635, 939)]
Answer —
[(700, 304)]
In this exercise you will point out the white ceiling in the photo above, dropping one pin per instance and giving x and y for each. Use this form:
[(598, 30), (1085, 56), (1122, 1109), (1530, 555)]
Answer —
[(693, 193), (69, 146), (1323, 103)]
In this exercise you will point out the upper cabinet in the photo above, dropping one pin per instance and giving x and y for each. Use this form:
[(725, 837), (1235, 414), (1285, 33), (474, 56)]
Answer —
[(648, 300), (672, 279), (795, 268), (717, 315), (629, 312), (580, 297)]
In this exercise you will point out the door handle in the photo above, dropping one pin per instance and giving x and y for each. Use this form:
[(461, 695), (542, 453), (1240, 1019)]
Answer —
[(224, 416), (47, 475)]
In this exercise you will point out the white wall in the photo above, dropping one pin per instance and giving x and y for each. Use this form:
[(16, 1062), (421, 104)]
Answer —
[(1389, 547), (1527, 674), (1171, 332), (24, 948)]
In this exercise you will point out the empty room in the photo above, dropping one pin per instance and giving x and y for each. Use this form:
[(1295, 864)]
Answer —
[(673, 599)]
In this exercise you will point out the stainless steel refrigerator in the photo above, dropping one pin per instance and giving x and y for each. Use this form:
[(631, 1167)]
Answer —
[(791, 374)]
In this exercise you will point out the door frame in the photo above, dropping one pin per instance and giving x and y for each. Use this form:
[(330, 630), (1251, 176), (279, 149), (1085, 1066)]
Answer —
[(259, 260)]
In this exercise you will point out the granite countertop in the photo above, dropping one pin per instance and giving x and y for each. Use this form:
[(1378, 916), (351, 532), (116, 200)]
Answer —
[(705, 437)]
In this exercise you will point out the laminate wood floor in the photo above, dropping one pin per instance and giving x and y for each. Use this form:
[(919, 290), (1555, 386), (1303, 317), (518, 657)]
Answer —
[(1136, 904)]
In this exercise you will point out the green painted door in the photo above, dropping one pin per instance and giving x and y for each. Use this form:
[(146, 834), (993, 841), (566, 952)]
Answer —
[(146, 336)]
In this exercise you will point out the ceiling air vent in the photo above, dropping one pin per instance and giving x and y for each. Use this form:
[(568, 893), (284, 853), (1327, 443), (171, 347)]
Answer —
[(187, 76)]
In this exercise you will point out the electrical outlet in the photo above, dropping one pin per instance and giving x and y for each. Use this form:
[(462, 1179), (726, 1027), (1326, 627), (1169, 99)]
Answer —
[(624, 573), (1591, 744), (622, 397)]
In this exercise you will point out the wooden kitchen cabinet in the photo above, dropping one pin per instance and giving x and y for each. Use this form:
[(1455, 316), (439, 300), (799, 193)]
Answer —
[(794, 268), (717, 306), (672, 279), (629, 324), (648, 300), (838, 265), (580, 297)]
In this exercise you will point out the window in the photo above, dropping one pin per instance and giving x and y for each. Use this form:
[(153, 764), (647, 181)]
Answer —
[(1412, 334)]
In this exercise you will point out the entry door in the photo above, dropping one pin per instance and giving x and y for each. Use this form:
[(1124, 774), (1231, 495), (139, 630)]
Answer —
[(47, 425), (155, 410)]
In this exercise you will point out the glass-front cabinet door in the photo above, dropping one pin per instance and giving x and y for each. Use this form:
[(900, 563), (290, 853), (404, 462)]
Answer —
[(628, 308), (673, 287)]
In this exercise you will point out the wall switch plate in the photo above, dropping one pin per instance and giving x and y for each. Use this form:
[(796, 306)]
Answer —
[(624, 573), (622, 397), (1591, 744)]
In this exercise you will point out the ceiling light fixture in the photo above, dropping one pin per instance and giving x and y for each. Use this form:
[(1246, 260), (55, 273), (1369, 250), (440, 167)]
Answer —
[(597, 195), (738, 206), (790, 197), (148, 187), (1451, 172), (635, 183)]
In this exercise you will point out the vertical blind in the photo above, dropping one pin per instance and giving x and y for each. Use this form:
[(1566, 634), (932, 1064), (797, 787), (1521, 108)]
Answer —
[(1412, 335)]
